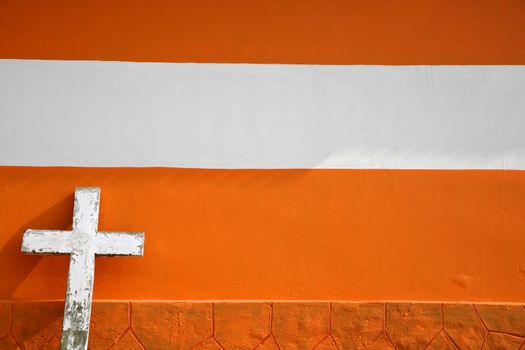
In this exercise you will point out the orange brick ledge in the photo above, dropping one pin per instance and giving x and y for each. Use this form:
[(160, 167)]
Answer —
[(271, 325)]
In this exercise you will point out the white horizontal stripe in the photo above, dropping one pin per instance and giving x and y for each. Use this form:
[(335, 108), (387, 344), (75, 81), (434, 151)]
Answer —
[(86, 113)]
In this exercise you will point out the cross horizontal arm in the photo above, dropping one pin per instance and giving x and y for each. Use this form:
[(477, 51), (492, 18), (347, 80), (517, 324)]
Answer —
[(46, 242), (119, 243)]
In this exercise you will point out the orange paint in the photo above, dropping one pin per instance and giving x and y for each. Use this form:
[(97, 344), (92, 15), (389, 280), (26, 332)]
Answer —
[(273, 31), (270, 326), (278, 234)]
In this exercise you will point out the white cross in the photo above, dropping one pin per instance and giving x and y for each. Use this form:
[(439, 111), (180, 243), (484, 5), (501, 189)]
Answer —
[(83, 243)]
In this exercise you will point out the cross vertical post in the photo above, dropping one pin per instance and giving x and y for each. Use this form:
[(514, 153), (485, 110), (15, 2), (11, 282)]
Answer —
[(77, 311), (82, 244)]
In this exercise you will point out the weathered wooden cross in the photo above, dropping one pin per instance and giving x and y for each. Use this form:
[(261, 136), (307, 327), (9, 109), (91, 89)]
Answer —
[(82, 243)]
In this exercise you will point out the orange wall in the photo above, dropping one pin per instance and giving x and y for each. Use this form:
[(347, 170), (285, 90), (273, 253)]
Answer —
[(273, 31), (275, 234), (279, 234)]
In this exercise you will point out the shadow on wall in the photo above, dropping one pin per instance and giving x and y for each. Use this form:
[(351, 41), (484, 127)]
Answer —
[(56, 217)]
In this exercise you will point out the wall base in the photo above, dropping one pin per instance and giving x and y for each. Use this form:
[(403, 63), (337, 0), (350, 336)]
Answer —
[(270, 325)]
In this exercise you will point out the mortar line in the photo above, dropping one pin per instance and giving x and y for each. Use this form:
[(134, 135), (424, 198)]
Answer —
[(330, 318), (131, 330), (121, 335), (217, 343), (481, 318), (321, 341), (262, 342), (276, 343), (440, 330), (213, 320), (509, 334), (384, 326), (11, 318), (271, 317), (450, 338), (213, 327), (330, 333)]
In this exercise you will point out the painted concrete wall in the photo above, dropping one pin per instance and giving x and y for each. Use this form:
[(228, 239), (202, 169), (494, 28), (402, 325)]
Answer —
[(421, 91), (334, 234), (430, 85)]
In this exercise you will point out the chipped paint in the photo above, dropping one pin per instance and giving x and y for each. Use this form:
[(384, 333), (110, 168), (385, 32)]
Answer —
[(82, 243)]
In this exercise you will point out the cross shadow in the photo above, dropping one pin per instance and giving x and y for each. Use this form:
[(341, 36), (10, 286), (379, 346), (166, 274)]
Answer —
[(20, 265), (38, 324)]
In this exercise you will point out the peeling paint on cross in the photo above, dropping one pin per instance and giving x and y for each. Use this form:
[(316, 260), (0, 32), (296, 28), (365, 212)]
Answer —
[(82, 243)]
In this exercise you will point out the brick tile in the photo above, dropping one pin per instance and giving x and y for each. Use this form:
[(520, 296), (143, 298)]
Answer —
[(463, 325), (412, 325), (38, 325), (127, 342), (498, 341), (357, 325), (179, 325), (503, 318), (382, 343), (108, 321), (7, 343), (241, 325), (300, 325), (442, 342), (5, 316)]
